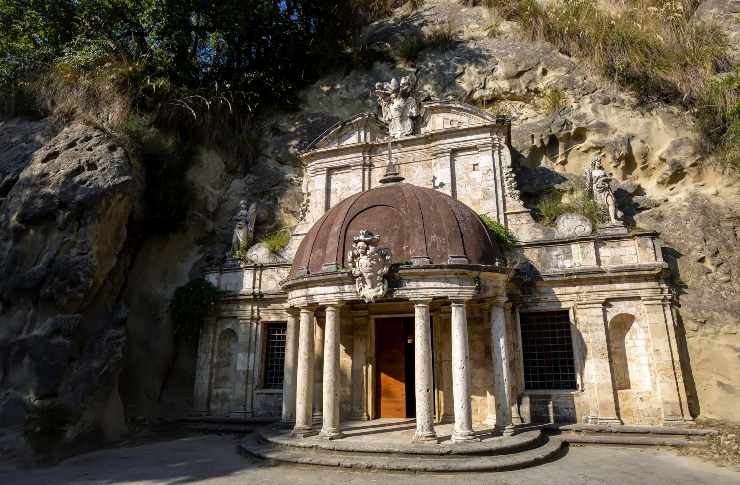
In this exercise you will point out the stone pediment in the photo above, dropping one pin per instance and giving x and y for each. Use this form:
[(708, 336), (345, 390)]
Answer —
[(442, 115), (435, 116), (361, 128)]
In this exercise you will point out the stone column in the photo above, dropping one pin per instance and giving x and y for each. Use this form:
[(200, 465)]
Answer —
[(304, 378), (318, 365), (598, 382), (289, 370), (463, 430), (665, 359), (501, 377), (330, 387), (203, 369), (423, 372)]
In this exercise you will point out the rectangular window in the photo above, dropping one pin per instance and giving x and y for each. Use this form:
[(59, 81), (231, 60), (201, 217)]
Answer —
[(274, 356), (547, 348)]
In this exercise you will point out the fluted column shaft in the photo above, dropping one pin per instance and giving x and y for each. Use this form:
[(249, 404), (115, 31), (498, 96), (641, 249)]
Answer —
[(423, 373), (500, 356), (463, 430), (290, 370), (304, 379), (330, 386)]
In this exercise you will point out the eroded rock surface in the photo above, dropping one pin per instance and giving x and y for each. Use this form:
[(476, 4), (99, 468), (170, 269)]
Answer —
[(63, 260)]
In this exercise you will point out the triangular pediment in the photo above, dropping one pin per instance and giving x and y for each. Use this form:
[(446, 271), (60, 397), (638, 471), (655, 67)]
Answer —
[(361, 128)]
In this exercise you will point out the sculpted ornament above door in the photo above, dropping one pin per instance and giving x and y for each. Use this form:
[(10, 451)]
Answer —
[(369, 265)]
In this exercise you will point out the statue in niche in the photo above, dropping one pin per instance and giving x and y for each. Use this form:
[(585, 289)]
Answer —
[(244, 227), (369, 265), (599, 184), (399, 105)]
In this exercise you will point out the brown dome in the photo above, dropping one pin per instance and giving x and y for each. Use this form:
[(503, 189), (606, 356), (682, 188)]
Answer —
[(415, 223)]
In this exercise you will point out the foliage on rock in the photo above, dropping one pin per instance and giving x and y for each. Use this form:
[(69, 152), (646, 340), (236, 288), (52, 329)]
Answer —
[(499, 233), (277, 241), (650, 46), (550, 207), (190, 306)]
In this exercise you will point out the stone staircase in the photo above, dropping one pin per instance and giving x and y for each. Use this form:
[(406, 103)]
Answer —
[(491, 454), (626, 435)]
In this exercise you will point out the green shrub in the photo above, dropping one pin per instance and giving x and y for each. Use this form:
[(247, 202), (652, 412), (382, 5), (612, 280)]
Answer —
[(550, 207), (190, 306), (277, 241), (410, 47), (240, 253), (442, 38), (499, 233), (554, 99), (651, 46)]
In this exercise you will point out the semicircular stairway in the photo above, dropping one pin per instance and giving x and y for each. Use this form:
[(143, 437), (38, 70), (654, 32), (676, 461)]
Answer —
[(377, 447)]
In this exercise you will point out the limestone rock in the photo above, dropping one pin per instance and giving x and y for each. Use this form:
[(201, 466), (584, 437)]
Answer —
[(726, 14), (261, 254), (701, 237), (62, 245)]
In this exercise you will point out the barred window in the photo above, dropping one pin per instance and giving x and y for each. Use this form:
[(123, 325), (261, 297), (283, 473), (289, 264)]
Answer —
[(547, 349), (275, 355)]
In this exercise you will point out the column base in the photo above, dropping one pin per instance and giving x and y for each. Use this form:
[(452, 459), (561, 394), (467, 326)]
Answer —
[(330, 434), (507, 430), (428, 437), (463, 436), (303, 432), (677, 421)]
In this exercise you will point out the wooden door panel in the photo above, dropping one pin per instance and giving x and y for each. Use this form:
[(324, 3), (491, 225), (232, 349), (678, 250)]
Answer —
[(390, 340)]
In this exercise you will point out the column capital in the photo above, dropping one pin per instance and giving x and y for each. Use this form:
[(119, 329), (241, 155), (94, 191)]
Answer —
[(292, 311), (334, 304), (308, 309), (422, 301), (458, 300)]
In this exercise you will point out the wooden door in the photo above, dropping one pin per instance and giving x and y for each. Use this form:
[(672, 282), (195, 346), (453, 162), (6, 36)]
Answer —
[(390, 341)]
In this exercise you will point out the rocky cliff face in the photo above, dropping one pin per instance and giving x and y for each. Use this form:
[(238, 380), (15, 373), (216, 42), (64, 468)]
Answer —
[(83, 299), (63, 259)]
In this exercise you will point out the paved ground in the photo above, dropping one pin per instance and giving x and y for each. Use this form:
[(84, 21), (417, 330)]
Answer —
[(213, 460)]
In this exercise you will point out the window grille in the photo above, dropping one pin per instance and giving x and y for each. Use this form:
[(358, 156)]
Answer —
[(275, 355), (547, 349)]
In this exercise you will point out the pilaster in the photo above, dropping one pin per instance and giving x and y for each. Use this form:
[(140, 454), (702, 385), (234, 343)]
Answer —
[(598, 379)]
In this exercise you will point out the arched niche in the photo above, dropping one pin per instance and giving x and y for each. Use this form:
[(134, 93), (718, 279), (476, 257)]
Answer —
[(629, 353)]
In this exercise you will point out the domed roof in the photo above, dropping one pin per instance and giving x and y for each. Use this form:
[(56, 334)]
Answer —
[(417, 224)]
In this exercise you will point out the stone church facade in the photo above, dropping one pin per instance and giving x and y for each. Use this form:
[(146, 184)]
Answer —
[(394, 300)]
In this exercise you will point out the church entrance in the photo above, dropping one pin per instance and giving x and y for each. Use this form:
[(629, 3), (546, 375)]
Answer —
[(394, 354)]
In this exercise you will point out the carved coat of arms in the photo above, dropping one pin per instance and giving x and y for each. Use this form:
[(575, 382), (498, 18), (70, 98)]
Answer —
[(369, 265)]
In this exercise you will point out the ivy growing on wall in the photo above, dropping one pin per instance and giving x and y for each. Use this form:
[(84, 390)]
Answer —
[(190, 306), (499, 233)]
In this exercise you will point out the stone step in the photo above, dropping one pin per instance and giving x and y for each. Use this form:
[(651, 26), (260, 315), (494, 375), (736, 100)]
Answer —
[(550, 449), (352, 444), (630, 439), (636, 429), (219, 428)]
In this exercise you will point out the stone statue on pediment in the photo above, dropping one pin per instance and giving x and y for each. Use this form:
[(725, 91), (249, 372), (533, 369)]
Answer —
[(599, 184), (369, 264), (399, 105)]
